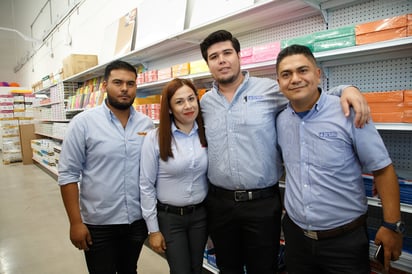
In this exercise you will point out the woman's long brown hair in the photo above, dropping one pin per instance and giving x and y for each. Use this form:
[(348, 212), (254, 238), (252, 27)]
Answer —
[(165, 130)]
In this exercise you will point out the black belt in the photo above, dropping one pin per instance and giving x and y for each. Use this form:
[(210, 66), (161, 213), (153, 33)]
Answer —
[(337, 231), (180, 210), (244, 195)]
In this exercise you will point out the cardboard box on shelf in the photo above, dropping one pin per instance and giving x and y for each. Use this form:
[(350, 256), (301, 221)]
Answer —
[(407, 116), (246, 56), (382, 30), (198, 66), (379, 36), (389, 117), (76, 63), (26, 135), (385, 107), (384, 24), (407, 97), (384, 96), (180, 69), (265, 52)]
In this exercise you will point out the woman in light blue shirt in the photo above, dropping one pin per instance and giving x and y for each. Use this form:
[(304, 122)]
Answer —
[(173, 181)]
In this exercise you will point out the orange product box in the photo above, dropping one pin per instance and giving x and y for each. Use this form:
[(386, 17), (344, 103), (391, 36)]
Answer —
[(407, 97), (180, 69), (383, 35), (246, 56), (409, 25), (389, 117), (266, 52), (198, 66), (201, 92), (380, 25), (384, 96), (407, 116), (164, 73), (385, 107)]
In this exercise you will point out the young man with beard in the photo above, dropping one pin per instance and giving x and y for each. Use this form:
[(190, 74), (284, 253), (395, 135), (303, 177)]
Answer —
[(99, 176), (243, 203)]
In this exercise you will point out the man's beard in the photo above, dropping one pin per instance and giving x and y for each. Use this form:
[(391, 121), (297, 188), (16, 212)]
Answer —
[(118, 105), (228, 80)]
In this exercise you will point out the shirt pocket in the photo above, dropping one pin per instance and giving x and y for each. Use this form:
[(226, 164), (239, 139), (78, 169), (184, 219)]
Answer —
[(258, 113), (328, 152)]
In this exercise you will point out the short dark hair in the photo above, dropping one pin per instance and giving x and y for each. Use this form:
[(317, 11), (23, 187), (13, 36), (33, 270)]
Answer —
[(216, 37), (293, 50), (117, 64)]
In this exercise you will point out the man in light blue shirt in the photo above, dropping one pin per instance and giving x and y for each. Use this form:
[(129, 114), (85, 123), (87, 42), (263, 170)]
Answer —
[(324, 155), (100, 157), (243, 203)]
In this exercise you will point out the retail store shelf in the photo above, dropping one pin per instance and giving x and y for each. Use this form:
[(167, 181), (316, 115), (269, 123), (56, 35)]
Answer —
[(50, 136), (255, 17), (394, 126), (50, 169)]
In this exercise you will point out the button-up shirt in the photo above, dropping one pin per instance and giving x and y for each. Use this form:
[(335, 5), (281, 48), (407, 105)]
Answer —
[(324, 156), (241, 134), (179, 181), (104, 158)]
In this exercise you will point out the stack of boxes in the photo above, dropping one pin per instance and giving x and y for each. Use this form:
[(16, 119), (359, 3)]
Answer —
[(149, 106), (390, 106), (43, 152), (382, 30), (15, 112)]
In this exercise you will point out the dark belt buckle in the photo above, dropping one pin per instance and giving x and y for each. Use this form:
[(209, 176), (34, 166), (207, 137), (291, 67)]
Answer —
[(243, 195), (311, 234)]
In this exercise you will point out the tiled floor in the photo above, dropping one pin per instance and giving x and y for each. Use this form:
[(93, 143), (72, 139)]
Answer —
[(34, 230)]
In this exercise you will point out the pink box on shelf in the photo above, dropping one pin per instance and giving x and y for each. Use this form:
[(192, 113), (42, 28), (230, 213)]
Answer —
[(246, 56), (266, 52)]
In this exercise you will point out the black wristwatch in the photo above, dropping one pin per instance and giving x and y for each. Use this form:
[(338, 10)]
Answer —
[(398, 227)]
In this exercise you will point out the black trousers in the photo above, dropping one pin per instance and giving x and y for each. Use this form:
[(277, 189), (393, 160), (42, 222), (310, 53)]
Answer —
[(245, 234), (116, 248), (347, 253), (185, 237)]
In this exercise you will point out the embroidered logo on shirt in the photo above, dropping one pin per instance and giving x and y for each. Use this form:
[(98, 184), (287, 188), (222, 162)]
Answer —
[(331, 134), (251, 98), (142, 133)]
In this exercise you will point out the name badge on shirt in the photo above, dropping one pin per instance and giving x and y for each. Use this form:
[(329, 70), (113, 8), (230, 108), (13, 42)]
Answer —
[(330, 134), (253, 98), (142, 133)]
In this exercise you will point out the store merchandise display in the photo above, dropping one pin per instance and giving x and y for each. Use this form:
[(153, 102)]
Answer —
[(341, 50)]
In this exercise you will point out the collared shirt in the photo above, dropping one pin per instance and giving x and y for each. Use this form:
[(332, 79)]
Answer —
[(179, 181), (241, 134), (324, 156), (104, 158)]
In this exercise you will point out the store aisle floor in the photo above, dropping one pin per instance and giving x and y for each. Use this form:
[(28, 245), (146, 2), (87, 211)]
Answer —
[(34, 230)]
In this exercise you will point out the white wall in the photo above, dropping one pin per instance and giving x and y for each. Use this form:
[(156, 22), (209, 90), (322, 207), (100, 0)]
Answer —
[(84, 32), (81, 33)]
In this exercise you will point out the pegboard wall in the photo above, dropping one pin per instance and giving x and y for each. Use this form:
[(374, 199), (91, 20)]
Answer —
[(367, 12), (384, 75), (399, 146)]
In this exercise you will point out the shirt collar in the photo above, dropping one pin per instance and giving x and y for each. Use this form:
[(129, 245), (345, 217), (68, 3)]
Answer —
[(176, 130), (317, 106)]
